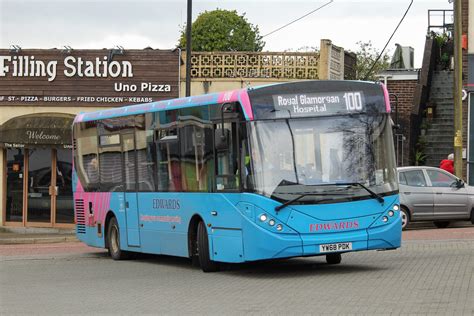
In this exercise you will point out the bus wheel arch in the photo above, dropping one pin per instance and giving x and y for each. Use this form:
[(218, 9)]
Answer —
[(192, 239), (108, 217), (198, 243), (112, 235), (205, 261)]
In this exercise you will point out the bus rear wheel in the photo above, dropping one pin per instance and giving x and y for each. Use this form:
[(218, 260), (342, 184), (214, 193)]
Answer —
[(113, 241), (333, 258), (207, 265)]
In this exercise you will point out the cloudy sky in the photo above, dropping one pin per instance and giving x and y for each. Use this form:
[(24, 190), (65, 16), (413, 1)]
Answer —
[(99, 24)]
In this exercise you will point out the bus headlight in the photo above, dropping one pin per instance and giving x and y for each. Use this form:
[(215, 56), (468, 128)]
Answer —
[(385, 219), (396, 207), (391, 213), (279, 227), (263, 217), (271, 222)]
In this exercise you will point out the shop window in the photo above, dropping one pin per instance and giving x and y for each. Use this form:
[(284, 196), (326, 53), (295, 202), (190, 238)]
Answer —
[(14, 182)]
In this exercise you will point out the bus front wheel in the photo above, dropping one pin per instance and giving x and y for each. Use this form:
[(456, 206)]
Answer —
[(207, 265), (113, 241), (334, 258)]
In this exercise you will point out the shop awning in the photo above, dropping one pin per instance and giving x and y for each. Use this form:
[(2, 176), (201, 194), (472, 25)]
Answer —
[(33, 130)]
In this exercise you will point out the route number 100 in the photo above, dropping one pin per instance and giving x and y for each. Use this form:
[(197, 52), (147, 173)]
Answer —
[(353, 101)]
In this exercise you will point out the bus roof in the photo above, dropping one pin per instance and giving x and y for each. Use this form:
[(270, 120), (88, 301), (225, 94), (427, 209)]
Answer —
[(238, 95)]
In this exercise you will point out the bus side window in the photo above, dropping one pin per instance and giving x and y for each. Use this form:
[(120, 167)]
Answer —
[(86, 160), (226, 157), (196, 156), (168, 163), (110, 163), (145, 148)]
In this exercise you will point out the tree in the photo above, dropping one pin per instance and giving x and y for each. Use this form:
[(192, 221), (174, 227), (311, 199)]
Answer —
[(366, 56), (223, 30)]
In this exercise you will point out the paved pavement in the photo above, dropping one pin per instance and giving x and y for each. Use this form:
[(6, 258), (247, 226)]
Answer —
[(422, 277), (28, 235), (432, 274)]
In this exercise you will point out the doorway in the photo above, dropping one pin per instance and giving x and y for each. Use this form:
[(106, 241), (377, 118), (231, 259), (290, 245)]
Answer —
[(39, 187)]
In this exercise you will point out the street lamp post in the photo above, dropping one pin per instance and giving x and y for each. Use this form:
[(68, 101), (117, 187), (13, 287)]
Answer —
[(457, 89), (188, 48)]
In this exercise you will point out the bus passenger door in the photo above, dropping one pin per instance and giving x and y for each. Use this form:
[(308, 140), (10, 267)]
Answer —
[(131, 201)]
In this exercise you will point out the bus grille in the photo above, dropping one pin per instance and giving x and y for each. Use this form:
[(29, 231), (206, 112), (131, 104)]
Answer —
[(80, 218)]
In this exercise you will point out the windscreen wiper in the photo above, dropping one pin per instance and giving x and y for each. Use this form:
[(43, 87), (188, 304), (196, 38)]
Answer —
[(372, 193), (279, 207)]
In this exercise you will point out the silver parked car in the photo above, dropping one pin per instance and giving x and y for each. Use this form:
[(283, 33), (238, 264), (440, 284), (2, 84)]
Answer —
[(432, 194)]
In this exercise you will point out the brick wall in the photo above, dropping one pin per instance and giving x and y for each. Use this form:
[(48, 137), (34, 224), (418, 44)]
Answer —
[(405, 90)]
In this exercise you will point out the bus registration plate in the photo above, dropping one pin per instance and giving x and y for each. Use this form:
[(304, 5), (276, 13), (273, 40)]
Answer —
[(343, 246)]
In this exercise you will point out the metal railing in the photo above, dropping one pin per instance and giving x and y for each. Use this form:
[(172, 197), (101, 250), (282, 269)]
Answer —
[(440, 20)]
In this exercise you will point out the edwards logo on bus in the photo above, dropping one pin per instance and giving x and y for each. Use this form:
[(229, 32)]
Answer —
[(334, 226)]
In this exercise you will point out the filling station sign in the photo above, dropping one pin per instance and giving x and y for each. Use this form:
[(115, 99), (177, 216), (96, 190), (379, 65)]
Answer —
[(87, 76)]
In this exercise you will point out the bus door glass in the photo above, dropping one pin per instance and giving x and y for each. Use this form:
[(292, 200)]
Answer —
[(227, 156), (131, 200)]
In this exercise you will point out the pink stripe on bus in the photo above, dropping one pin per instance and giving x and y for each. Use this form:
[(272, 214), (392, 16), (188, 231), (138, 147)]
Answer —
[(245, 102), (387, 98), (239, 95)]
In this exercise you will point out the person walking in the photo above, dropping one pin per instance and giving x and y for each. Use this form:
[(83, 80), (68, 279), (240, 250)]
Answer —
[(448, 164)]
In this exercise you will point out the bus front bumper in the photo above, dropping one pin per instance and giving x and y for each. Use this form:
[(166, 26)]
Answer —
[(268, 245)]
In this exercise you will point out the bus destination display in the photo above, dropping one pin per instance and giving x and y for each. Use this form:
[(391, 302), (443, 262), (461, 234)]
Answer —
[(313, 104)]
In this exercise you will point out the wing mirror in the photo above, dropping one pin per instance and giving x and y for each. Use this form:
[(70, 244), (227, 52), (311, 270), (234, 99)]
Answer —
[(458, 184), (221, 139)]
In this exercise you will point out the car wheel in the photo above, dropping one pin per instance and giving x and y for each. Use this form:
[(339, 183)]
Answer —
[(441, 224), (333, 258), (113, 241), (405, 215), (207, 265)]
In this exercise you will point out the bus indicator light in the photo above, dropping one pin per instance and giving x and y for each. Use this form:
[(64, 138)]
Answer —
[(271, 222), (385, 219), (391, 213), (279, 227)]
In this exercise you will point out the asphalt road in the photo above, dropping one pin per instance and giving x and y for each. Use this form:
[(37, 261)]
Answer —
[(433, 273)]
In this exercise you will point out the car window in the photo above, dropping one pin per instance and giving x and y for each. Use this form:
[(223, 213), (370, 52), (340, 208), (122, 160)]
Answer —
[(401, 178), (415, 178), (440, 179)]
